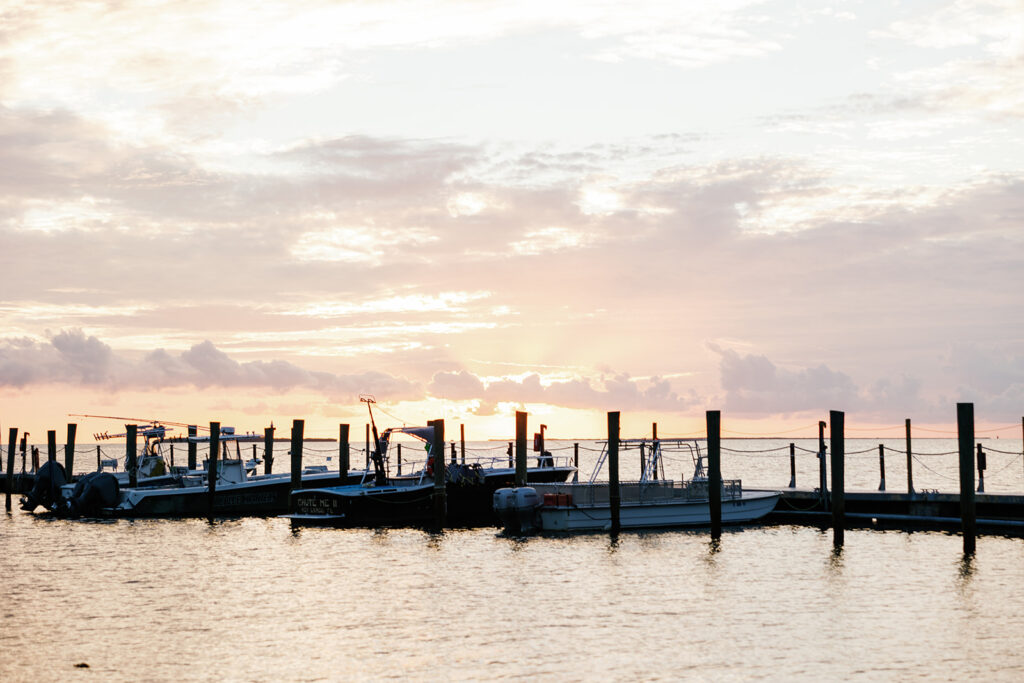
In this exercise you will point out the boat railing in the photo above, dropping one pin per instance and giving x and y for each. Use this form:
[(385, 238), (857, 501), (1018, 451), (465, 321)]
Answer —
[(598, 493), (410, 467)]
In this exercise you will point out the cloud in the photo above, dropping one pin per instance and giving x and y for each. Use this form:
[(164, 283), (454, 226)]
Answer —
[(614, 392), (753, 385), (72, 357)]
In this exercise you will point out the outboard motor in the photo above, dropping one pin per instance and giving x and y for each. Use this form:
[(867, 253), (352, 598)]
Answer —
[(92, 492), (517, 508), (46, 491)]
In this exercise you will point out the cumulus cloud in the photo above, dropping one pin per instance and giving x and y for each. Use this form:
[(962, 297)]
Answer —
[(614, 392), (72, 357), (754, 385)]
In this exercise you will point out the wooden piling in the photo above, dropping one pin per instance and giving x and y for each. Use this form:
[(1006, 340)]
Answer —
[(12, 439), (982, 466), (654, 448), (614, 494), (520, 448), (51, 445), (453, 453), (440, 498), (511, 461), (343, 452), (792, 465), (822, 469), (367, 463), (462, 442), (965, 436), (837, 421), (576, 462), (211, 468), (910, 463), (99, 458), (69, 450), (398, 449), (268, 450), (714, 426), (193, 431), (881, 466), (131, 462), (298, 426)]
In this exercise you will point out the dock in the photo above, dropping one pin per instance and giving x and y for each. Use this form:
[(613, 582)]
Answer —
[(996, 512)]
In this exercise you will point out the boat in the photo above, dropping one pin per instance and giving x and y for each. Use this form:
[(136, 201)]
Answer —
[(649, 503), (407, 499), (167, 491)]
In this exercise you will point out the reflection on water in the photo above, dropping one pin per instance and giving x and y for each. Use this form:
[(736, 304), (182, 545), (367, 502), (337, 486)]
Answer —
[(253, 599)]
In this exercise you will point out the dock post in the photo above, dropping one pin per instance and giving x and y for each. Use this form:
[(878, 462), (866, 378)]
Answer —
[(398, 447), (520, 448), (51, 445), (511, 462), (12, 439), (296, 452), (131, 462), (343, 453), (440, 497), (654, 447), (837, 421), (714, 424), (576, 461), (211, 468), (366, 464), (982, 466), (462, 442), (99, 459), (268, 450), (822, 468), (910, 464), (193, 431), (614, 495), (965, 435), (69, 451), (792, 465), (172, 454), (881, 466), (453, 453)]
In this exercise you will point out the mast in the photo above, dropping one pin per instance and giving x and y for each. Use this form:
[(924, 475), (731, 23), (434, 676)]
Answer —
[(380, 473)]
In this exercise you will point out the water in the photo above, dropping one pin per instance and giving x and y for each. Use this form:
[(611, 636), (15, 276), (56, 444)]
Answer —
[(255, 600)]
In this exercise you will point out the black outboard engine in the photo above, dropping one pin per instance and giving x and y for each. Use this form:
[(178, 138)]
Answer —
[(93, 491), (46, 491)]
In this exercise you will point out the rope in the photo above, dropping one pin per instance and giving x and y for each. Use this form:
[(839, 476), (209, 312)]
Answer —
[(934, 472), (996, 450), (768, 450)]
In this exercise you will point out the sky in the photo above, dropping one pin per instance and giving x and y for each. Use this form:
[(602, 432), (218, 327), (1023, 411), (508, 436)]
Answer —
[(256, 212)]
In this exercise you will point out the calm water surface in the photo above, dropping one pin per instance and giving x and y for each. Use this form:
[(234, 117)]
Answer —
[(255, 600)]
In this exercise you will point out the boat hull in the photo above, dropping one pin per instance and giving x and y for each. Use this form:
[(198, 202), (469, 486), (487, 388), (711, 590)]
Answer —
[(411, 505), (652, 515), (258, 496), (468, 503)]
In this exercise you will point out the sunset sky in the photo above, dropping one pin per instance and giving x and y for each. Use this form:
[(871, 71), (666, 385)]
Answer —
[(248, 212)]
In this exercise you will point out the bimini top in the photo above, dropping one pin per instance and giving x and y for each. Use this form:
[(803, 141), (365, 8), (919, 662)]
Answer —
[(424, 434)]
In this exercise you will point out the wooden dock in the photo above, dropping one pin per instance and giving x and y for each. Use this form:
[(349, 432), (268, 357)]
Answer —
[(996, 512)]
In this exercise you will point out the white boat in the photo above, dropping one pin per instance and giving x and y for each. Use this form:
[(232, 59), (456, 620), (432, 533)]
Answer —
[(652, 502)]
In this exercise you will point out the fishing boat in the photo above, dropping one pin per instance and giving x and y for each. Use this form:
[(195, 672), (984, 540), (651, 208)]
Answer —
[(167, 491), (652, 502), (407, 499)]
